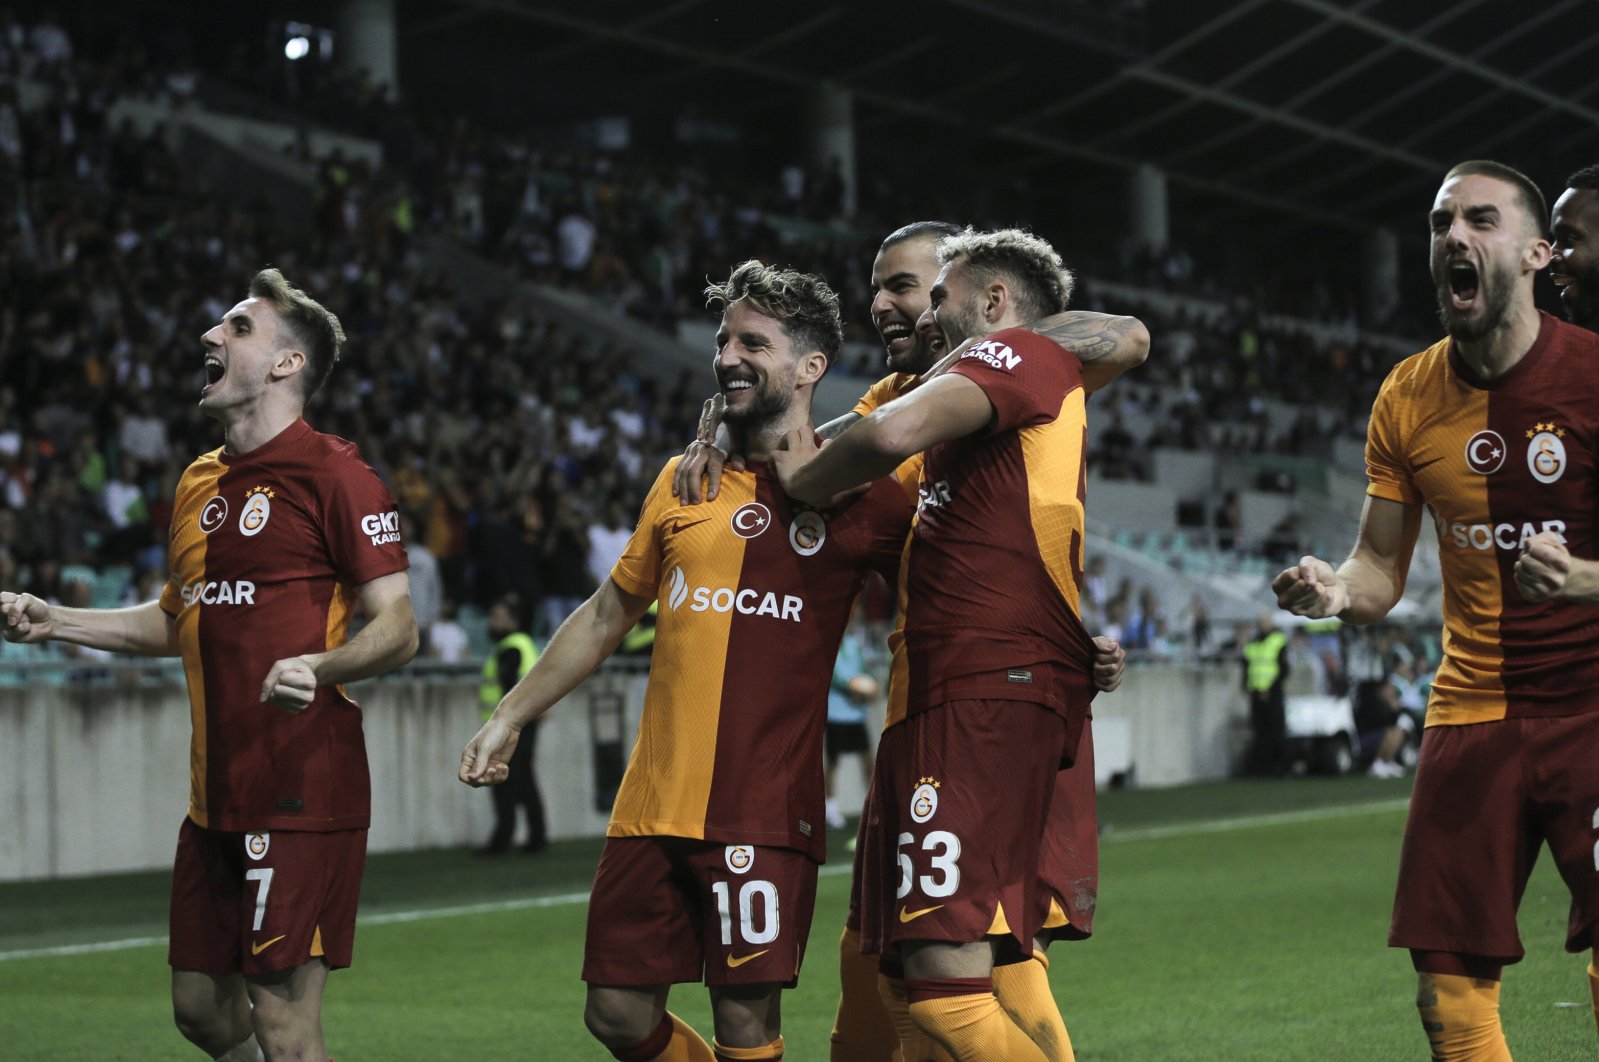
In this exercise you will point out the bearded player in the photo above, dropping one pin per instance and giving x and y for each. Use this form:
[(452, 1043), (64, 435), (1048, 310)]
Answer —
[(1494, 430)]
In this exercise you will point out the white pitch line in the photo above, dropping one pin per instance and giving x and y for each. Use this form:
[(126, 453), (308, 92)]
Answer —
[(1151, 833), (1249, 822)]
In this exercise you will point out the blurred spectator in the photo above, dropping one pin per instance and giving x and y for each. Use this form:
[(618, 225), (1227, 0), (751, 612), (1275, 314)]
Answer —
[(853, 688), (427, 588), (447, 641), (607, 539)]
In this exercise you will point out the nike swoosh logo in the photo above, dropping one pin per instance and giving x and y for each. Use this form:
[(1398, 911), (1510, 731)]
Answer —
[(256, 949), (737, 961), (679, 525), (911, 916)]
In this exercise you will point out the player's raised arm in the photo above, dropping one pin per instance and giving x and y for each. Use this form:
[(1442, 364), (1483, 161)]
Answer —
[(1107, 345), (388, 641), (1370, 583), (579, 645), (948, 407), (142, 630)]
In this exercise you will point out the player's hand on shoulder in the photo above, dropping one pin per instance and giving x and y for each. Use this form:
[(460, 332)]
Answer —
[(27, 618), (486, 760), (1311, 588), (1543, 567), (702, 463), (1110, 664), (290, 684)]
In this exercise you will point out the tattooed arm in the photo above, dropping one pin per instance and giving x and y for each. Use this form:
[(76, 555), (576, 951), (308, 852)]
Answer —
[(1107, 345)]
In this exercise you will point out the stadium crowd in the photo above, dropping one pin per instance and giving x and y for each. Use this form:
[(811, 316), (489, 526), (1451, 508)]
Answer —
[(518, 449)]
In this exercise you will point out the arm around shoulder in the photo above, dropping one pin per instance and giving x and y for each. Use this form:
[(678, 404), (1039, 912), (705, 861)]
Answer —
[(1107, 344)]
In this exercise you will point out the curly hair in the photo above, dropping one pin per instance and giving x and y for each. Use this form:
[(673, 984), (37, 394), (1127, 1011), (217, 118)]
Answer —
[(1587, 177), (305, 322), (1042, 283), (802, 303)]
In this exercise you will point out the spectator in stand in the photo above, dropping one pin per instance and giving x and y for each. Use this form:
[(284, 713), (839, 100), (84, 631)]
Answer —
[(608, 537), (427, 588), (564, 566), (447, 641), (1146, 628)]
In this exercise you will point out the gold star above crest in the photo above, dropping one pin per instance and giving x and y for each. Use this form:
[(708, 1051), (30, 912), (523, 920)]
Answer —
[(929, 781), (268, 491)]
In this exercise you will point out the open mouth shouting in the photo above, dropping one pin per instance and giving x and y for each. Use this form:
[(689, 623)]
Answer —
[(1464, 286), (214, 371)]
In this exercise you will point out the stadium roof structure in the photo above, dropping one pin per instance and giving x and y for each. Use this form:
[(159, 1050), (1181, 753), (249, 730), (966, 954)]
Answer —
[(1340, 113)]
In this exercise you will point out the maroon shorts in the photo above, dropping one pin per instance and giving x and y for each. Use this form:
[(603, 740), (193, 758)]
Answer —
[(963, 797), (871, 814), (253, 903), (1487, 795), (666, 910), (1068, 861)]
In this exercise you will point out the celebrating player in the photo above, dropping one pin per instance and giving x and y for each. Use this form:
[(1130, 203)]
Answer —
[(276, 537), (1575, 253), (1494, 430), (709, 866), (903, 273), (999, 670)]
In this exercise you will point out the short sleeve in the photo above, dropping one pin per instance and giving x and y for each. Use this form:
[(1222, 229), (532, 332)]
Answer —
[(1387, 467), (1025, 376), (360, 521), (880, 394), (638, 571), (171, 600)]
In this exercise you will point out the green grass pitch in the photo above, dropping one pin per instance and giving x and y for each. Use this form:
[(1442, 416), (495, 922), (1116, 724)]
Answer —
[(1238, 921)]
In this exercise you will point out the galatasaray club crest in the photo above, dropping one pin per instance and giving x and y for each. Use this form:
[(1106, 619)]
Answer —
[(924, 799), (740, 858), (1546, 452), (257, 508), (256, 845), (807, 533)]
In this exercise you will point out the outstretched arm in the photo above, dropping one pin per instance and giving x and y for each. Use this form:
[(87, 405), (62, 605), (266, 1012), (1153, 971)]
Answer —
[(143, 630), (1106, 344), (1367, 585), (588, 636), (388, 640)]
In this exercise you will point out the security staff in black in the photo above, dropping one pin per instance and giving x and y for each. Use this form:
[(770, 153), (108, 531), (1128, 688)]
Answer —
[(1265, 671), (511, 658)]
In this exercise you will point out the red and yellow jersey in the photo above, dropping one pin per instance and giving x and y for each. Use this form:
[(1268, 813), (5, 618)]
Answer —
[(267, 550), (908, 473), (994, 562), (885, 391), (1497, 462), (755, 591)]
